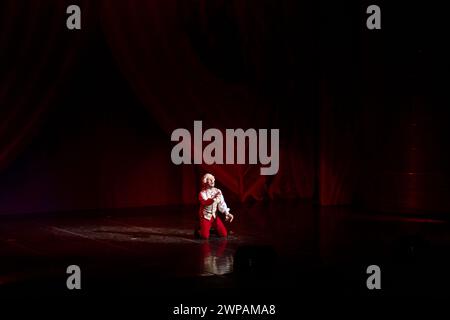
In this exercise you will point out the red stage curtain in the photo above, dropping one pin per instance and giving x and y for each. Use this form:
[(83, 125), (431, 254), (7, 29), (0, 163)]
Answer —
[(36, 51), (231, 64)]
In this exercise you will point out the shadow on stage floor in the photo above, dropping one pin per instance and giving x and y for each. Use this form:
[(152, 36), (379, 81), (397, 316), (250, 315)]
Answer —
[(273, 248)]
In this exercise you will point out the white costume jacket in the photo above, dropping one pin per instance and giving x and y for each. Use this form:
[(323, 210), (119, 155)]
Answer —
[(209, 205)]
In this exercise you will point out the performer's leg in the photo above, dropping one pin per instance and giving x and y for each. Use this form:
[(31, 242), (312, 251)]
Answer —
[(221, 230), (205, 226)]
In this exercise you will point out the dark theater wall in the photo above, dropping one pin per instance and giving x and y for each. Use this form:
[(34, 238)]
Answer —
[(405, 133)]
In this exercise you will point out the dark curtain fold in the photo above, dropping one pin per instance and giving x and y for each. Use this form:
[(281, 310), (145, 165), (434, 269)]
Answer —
[(338, 115), (36, 52)]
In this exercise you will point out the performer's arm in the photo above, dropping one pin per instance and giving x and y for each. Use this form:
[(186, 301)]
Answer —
[(204, 200), (224, 208)]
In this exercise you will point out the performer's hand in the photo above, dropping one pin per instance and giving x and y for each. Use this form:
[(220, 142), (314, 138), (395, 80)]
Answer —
[(229, 217)]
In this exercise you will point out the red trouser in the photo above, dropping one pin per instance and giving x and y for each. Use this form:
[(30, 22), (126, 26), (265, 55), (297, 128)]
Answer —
[(205, 227)]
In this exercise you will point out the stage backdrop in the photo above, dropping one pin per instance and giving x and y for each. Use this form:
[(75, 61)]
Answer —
[(36, 55), (86, 117)]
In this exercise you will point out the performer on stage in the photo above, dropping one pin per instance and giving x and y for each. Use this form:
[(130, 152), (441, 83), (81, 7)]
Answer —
[(212, 201)]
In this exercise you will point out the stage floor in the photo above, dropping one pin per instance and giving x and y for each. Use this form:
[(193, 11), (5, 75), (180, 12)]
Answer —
[(273, 247)]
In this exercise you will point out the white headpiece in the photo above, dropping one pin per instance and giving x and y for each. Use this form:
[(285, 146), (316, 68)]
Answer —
[(206, 177)]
